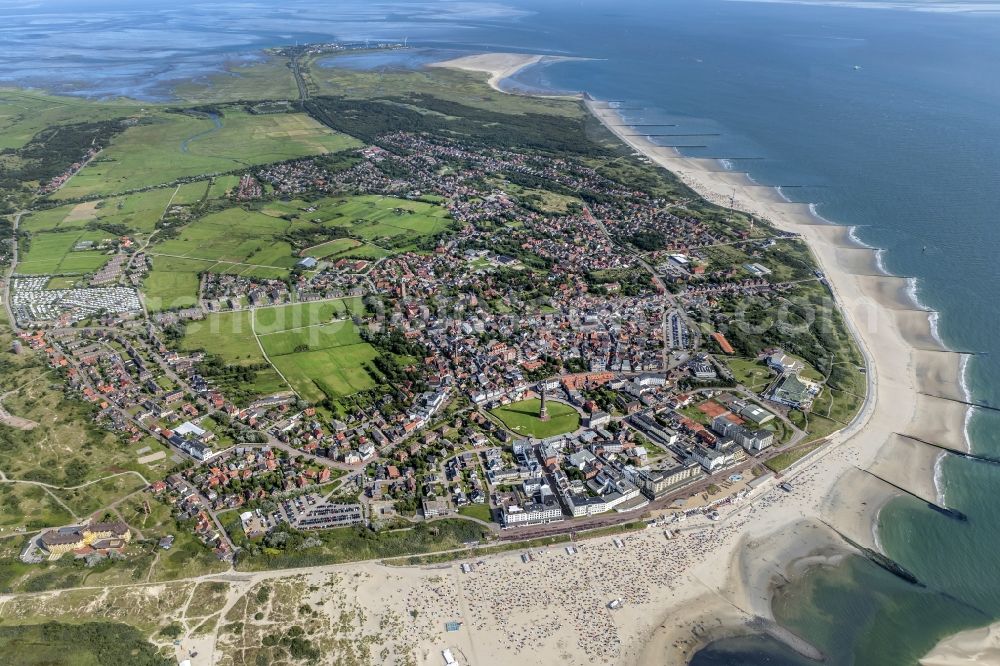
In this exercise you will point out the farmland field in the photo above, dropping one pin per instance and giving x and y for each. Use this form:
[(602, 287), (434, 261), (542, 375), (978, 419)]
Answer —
[(229, 335), (168, 146), (191, 193), (392, 223), (139, 212), (233, 235), (314, 337), (333, 372), (333, 365), (172, 283), (221, 185), (285, 317), (374, 217), (52, 252), (225, 334)]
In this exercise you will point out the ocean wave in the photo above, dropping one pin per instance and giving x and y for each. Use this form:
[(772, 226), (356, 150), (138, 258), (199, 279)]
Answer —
[(913, 293), (964, 383), (814, 211), (934, 319), (939, 480), (875, 534), (781, 193)]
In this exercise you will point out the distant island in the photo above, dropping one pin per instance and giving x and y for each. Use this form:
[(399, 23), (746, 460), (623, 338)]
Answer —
[(316, 365)]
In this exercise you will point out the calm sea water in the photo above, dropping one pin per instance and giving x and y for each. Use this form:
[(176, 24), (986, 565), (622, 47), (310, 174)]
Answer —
[(906, 147)]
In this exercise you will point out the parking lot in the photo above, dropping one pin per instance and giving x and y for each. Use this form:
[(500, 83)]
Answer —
[(311, 512)]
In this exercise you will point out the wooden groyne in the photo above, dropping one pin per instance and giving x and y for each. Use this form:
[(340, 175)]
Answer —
[(951, 513), (947, 449), (879, 559)]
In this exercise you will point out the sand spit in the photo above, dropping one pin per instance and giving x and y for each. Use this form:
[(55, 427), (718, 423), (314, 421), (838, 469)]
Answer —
[(499, 66), (968, 648)]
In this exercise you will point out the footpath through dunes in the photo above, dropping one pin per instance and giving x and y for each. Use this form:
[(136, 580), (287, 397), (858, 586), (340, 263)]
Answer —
[(905, 362)]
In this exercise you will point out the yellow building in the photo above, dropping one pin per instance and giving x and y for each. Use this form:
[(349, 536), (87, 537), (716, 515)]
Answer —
[(92, 537)]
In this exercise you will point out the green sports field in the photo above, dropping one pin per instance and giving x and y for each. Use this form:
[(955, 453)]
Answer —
[(168, 146), (332, 248), (522, 418)]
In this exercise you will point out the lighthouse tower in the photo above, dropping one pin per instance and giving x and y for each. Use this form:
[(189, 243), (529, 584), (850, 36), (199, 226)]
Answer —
[(543, 410)]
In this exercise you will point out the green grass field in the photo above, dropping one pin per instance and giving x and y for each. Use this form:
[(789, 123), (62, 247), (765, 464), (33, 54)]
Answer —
[(191, 193), (480, 511), (24, 113), (233, 235), (52, 252), (222, 185), (318, 361), (332, 248), (392, 223), (172, 283), (60, 282), (297, 315), (313, 337), (225, 334), (229, 335), (330, 358), (374, 217), (168, 146), (522, 418), (333, 372), (752, 374), (139, 212)]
